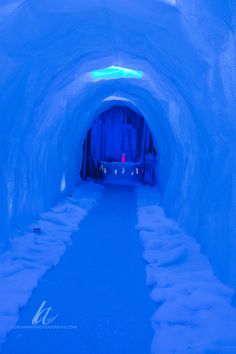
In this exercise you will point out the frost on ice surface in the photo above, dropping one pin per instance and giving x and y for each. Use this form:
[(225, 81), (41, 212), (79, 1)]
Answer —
[(30, 255), (10, 7), (170, 2), (194, 313)]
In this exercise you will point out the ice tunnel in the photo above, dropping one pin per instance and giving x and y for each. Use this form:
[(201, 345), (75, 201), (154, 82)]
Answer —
[(138, 92)]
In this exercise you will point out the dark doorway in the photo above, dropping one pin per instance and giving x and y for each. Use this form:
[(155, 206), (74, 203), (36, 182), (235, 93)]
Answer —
[(119, 148)]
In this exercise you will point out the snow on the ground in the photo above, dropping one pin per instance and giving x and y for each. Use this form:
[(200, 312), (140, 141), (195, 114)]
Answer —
[(31, 254), (194, 313)]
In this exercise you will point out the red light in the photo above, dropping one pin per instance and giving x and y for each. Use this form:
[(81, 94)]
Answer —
[(123, 158)]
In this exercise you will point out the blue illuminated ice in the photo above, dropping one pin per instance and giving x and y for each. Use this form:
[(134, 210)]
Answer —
[(171, 61)]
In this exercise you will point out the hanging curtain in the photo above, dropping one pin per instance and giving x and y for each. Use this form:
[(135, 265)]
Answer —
[(119, 131)]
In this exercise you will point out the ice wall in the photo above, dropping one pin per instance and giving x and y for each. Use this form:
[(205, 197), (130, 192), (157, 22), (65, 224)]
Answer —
[(48, 100)]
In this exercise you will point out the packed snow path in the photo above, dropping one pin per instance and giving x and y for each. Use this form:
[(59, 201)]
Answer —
[(99, 285)]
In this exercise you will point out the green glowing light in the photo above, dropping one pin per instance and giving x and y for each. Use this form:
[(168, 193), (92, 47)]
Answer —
[(116, 72)]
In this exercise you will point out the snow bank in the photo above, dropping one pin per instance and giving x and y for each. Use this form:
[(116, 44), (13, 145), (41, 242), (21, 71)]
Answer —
[(31, 254), (194, 313)]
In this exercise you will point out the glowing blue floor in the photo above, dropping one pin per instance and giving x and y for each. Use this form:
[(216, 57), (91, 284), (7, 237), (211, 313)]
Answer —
[(99, 285)]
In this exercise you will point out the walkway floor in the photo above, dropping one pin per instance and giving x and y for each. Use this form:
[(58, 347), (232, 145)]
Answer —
[(99, 285)]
